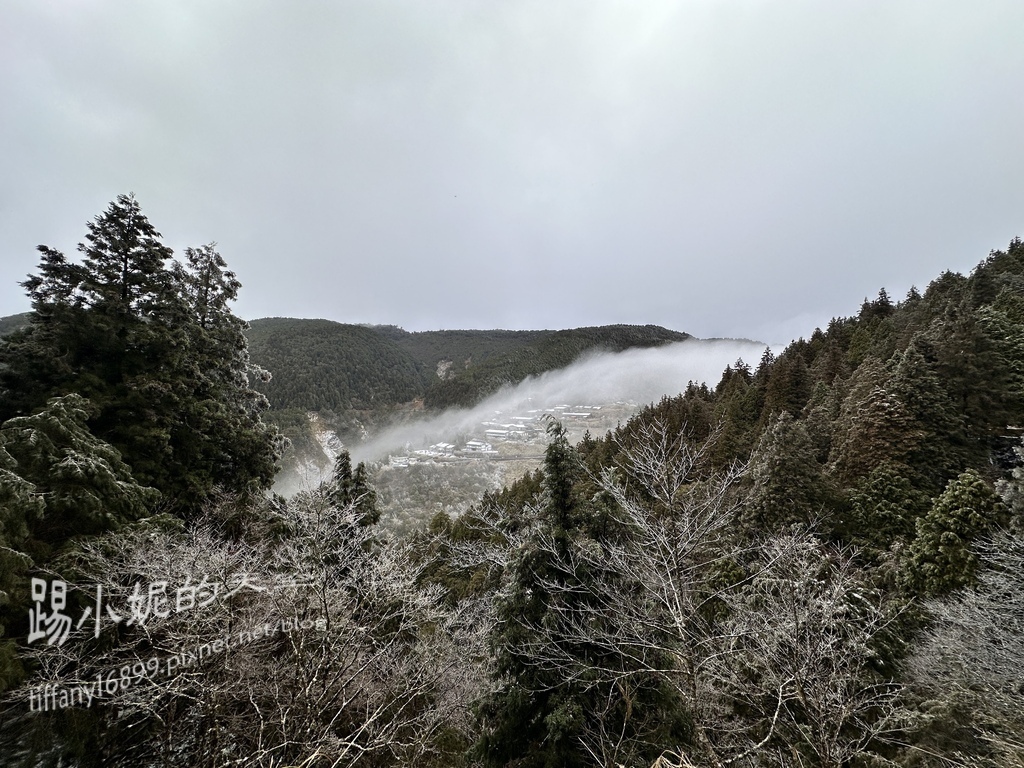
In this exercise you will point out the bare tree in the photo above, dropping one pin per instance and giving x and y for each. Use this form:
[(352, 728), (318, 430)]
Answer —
[(767, 645), (974, 653), (329, 652), (797, 661)]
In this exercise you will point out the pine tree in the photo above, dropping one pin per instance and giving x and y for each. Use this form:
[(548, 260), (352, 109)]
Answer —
[(58, 482), (155, 349), (976, 372), (348, 488), (530, 719), (83, 484), (788, 386), (885, 507), (941, 559), (939, 448), (873, 426), (788, 484)]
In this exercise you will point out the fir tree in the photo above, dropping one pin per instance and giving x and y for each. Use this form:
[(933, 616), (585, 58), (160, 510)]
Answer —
[(873, 426), (788, 484), (939, 445), (353, 489), (84, 486), (155, 349), (885, 507), (941, 559), (58, 482)]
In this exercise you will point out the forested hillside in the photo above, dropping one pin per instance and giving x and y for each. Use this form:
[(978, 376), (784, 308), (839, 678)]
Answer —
[(324, 365), (816, 562), (779, 560), (475, 379)]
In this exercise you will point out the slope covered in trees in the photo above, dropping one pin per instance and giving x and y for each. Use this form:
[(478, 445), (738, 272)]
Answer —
[(548, 351), (12, 323), (791, 561), (324, 365)]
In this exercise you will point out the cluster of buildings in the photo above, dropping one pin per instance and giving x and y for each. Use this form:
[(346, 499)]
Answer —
[(442, 452), (524, 427)]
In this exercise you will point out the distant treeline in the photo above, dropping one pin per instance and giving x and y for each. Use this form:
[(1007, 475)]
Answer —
[(14, 322), (323, 365)]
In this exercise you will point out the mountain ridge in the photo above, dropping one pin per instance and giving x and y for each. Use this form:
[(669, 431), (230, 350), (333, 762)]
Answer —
[(359, 366)]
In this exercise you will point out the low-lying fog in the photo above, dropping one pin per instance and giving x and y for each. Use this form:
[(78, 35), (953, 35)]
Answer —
[(638, 375)]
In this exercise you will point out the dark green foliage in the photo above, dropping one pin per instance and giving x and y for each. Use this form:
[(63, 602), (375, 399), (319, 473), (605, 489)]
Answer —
[(535, 717), (58, 483), (82, 483), (967, 356), (322, 365), (156, 351), (353, 489), (543, 711), (738, 405), (12, 323), (939, 447), (788, 482), (873, 426), (884, 508), (941, 557), (787, 385)]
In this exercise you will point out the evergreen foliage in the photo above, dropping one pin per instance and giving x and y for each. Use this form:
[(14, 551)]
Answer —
[(732, 577), (322, 365), (352, 490), (941, 557), (788, 483), (79, 484), (155, 349), (553, 350), (12, 323), (884, 506)]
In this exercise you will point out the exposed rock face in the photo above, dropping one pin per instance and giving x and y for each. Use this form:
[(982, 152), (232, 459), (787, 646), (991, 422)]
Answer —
[(328, 439)]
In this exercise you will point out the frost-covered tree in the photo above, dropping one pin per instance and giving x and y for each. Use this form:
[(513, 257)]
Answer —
[(967, 666), (788, 485), (873, 427), (58, 482), (80, 484), (330, 651), (554, 702), (763, 653), (941, 558)]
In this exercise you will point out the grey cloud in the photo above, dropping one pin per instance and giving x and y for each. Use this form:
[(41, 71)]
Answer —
[(723, 168)]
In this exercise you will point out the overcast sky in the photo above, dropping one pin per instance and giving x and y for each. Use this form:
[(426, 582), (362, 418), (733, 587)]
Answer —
[(721, 167)]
